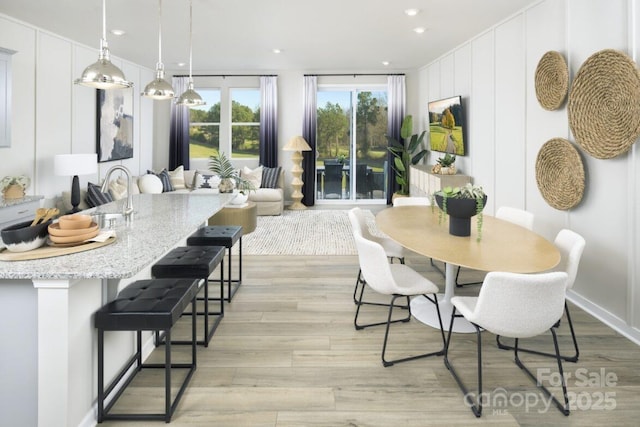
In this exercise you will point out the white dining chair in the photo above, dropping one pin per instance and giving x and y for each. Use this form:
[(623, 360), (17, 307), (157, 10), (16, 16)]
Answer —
[(517, 306), (393, 250), (571, 246), (417, 201), (395, 280), (514, 215)]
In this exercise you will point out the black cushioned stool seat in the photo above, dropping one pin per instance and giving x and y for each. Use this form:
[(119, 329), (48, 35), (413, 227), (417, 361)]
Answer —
[(195, 262), (223, 235), (146, 305)]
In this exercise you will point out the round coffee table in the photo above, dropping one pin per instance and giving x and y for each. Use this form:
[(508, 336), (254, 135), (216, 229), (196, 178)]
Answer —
[(244, 215)]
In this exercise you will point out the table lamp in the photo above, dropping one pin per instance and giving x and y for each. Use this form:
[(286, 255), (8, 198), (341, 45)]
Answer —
[(297, 144), (74, 165)]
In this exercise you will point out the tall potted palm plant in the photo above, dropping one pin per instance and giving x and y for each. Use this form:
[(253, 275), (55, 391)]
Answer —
[(405, 153)]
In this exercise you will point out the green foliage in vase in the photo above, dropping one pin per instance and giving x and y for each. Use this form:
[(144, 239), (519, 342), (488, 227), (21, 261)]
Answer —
[(468, 191), (447, 160), (222, 166)]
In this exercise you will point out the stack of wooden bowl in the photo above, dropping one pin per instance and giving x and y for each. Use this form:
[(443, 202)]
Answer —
[(72, 230)]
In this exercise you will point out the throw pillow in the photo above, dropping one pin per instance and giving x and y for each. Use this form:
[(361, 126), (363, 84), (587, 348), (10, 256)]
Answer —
[(118, 188), (95, 197), (189, 176), (205, 180), (164, 178), (254, 176), (270, 177), (176, 177), (150, 183)]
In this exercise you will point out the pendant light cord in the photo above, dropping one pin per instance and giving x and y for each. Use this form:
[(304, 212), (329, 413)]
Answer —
[(104, 21), (160, 33), (190, 39)]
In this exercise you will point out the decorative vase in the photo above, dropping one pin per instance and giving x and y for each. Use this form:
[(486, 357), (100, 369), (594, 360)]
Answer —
[(460, 212), (239, 199), (13, 191), (226, 185)]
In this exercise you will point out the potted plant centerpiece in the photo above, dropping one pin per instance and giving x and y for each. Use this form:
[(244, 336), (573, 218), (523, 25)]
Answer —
[(462, 203), (229, 176), (405, 153), (13, 187)]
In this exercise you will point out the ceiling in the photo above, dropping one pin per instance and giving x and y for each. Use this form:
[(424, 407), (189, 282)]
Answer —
[(240, 35)]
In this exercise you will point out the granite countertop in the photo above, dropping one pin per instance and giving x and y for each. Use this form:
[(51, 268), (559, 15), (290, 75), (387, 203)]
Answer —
[(160, 221), (5, 203)]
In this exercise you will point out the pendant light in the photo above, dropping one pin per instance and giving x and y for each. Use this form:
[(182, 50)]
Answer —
[(103, 74), (190, 97), (159, 88)]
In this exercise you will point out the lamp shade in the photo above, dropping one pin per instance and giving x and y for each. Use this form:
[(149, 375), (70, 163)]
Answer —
[(297, 143), (75, 164)]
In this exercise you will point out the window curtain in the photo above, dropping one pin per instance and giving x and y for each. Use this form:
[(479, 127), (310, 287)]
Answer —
[(309, 125), (269, 121), (396, 95), (179, 128)]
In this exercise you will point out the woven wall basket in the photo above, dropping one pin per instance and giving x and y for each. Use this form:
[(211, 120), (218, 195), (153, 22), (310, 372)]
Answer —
[(604, 104), (552, 80), (560, 174)]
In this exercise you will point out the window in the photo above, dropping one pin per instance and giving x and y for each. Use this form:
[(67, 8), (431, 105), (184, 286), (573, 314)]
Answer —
[(245, 123), (204, 125)]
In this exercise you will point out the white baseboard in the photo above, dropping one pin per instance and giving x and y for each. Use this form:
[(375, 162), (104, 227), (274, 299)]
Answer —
[(605, 317)]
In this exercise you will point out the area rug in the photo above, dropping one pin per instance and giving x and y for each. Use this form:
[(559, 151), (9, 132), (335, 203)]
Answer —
[(306, 232)]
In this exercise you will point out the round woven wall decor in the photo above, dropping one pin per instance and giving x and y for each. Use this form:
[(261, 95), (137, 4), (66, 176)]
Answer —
[(552, 80), (560, 174), (604, 104)]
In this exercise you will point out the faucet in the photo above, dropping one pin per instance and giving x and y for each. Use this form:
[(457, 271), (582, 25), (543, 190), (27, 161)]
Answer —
[(128, 207)]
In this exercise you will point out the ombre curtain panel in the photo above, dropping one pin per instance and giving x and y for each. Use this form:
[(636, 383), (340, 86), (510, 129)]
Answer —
[(309, 125), (396, 96), (269, 121), (179, 128)]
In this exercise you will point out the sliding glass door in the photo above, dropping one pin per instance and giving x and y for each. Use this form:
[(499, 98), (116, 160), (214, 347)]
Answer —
[(351, 144)]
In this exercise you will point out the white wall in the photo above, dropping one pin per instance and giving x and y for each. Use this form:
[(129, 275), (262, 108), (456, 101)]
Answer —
[(494, 72), (53, 116)]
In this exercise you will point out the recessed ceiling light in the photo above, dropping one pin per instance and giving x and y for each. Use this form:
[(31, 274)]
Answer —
[(412, 12), (180, 64), (276, 50), (117, 32), (419, 30), (385, 63)]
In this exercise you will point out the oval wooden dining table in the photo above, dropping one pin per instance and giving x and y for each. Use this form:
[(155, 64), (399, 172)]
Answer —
[(504, 246)]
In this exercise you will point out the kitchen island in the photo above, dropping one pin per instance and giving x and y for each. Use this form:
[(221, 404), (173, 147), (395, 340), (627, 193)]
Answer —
[(48, 359)]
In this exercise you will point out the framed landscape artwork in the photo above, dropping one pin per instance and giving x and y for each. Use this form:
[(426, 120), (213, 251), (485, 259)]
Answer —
[(114, 136), (446, 126)]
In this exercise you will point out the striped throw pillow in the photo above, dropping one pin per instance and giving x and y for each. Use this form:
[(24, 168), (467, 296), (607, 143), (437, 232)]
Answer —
[(270, 177), (95, 197)]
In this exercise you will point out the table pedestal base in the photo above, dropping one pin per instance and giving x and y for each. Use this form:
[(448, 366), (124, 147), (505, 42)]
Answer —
[(425, 311)]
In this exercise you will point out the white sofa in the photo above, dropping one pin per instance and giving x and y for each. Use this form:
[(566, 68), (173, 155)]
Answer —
[(269, 201)]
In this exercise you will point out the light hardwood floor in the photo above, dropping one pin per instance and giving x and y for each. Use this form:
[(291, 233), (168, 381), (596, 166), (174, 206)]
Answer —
[(287, 354)]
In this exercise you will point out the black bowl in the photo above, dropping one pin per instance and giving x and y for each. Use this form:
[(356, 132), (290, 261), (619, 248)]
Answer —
[(22, 237)]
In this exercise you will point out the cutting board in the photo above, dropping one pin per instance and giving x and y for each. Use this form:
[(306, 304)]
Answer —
[(51, 251)]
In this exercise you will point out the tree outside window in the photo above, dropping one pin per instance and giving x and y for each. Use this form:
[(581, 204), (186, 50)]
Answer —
[(204, 126), (245, 123)]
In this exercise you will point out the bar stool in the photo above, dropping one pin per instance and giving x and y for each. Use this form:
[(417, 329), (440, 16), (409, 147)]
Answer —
[(146, 305), (221, 235), (195, 262)]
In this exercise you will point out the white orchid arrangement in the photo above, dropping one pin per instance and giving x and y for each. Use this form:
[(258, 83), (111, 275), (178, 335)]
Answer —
[(21, 180)]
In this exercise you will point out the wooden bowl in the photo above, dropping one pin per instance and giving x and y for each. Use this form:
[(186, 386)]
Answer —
[(75, 238), (55, 230), (74, 222)]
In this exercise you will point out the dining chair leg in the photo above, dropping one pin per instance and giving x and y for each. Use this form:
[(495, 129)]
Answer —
[(474, 404), (360, 304), (437, 268), (361, 282), (459, 285), (572, 359), (563, 408), (387, 363)]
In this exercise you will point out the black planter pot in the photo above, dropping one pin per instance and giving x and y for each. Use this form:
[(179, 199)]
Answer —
[(460, 212)]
